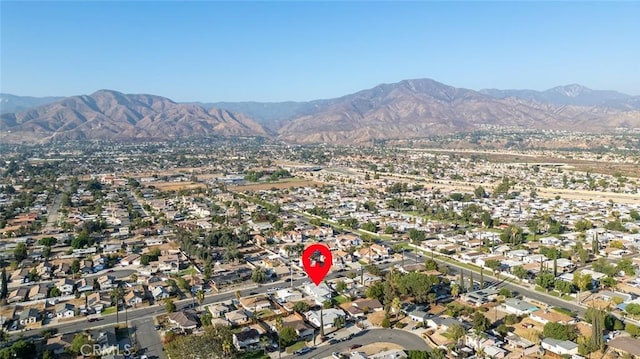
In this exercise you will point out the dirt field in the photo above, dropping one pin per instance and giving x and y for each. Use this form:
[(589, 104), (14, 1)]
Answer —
[(278, 185), (176, 186)]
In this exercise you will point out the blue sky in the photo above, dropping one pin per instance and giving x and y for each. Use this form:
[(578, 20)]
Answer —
[(276, 51)]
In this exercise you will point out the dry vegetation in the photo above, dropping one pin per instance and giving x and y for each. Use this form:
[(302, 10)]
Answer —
[(278, 185), (177, 186)]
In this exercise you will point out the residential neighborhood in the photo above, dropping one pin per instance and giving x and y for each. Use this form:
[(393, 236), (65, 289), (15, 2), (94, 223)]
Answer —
[(452, 255)]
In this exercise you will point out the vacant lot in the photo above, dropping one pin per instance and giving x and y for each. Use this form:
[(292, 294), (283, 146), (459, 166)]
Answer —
[(278, 185), (176, 186)]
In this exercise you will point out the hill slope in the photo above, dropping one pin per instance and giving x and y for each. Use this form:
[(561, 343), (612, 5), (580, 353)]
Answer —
[(115, 116)]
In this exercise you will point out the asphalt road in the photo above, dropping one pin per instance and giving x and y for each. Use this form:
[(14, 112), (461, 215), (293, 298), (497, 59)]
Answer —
[(402, 338), (148, 338), (521, 289)]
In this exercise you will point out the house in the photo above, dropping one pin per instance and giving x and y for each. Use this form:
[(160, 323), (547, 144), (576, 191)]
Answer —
[(546, 316), (304, 331), (106, 282), (518, 307), (288, 295), (18, 295), (320, 293), (256, 303), (38, 292), (248, 339), (237, 317), (65, 310), (418, 315), (218, 310), (625, 346), (105, 338), (560, 347), (29, 316), (329, 317), (66, 286), (169, 263), (368, 305), (132, 259), (98, 301), (480, 297), (437, 322), (59, 343), (84, 285), (20, 276), (159, 293), (184, 320), (133, 298)]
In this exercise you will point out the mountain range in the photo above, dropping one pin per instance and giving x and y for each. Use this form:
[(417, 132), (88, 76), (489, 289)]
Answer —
[(410, 108)]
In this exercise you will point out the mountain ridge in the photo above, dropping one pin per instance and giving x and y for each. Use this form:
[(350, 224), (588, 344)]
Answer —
[(108, 114), (409, 108)]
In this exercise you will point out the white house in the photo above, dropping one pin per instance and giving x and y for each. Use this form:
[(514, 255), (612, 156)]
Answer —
[(560, 347), (328, 317)]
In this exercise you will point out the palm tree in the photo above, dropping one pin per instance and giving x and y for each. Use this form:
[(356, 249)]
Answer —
[(238, 295), (200, 297), (396, 304), (226, 347), (455, 290)]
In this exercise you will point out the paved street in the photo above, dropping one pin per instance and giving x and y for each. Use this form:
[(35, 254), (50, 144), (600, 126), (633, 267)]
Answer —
[(402, 338), (521, 289)]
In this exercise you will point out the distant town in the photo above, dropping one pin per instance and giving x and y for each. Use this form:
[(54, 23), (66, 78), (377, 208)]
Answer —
[(192, 249)]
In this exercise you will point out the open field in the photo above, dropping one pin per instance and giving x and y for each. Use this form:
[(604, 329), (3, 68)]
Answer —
[(604, 167), (279, 185), (176, 186)]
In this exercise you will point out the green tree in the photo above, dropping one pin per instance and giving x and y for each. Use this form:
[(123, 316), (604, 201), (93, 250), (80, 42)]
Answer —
[(455, 332), (4, 291), (520, 272), (339, 322), (493, 264), (75, 266), (582, 281), (341, 286), (545, 280), (79, 341), (20, 252), (480, 322), (559, 331), (632, 329), (258, 275), (48, 241), (169, 305), (301, 307), (287, 336)]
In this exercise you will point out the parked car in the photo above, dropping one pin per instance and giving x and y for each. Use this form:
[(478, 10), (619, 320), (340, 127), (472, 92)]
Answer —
[(355, 346), (302, 351)]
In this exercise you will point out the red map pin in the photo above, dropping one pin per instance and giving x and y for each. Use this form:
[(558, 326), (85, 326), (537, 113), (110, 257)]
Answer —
[(317, 261)]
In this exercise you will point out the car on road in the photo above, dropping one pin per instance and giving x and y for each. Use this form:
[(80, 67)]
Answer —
[(144, 357), (301, 351), (333, 341)]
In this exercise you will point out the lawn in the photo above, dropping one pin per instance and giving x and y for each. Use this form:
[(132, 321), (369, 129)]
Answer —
[(264, 313), (189, 271), (258, 354), (108, 311), (296, 346), (341, 299)]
